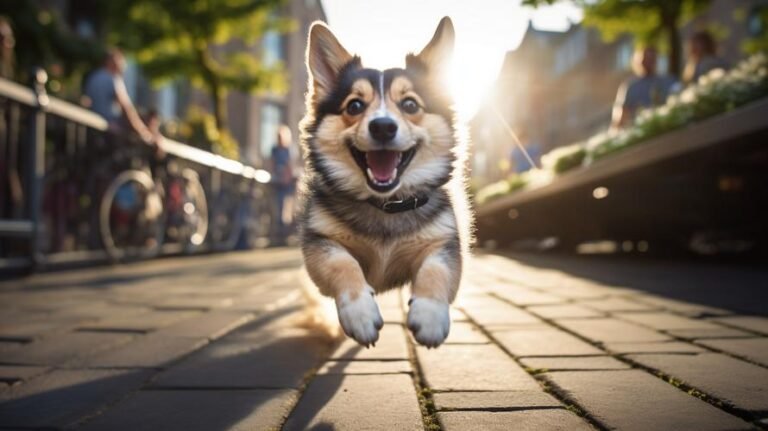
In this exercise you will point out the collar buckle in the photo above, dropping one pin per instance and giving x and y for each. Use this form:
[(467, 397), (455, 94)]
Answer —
[(401, 205)]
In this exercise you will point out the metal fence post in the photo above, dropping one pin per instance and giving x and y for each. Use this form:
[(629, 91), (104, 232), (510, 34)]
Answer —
[(36, 161)]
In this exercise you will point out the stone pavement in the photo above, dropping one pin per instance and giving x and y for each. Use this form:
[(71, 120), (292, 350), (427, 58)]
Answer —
[(214, 343)]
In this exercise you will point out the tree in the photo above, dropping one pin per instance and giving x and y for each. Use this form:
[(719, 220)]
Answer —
[(649, 21), (173, 39), (44, 40)]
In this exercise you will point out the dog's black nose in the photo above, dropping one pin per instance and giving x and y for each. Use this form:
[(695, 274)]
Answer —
[(383, 129)]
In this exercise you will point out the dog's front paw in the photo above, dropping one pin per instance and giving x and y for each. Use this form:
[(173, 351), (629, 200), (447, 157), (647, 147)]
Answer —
[(429, 321), (360, 317)]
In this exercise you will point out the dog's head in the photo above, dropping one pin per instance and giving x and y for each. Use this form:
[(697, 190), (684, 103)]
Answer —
[(378, 133)]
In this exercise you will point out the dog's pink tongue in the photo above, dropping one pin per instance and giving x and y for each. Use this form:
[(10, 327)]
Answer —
[(382, 163)]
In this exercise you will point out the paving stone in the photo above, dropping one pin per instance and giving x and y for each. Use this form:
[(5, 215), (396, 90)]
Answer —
[(542, 341), (657, 347), (366, 367), (613, 331), (457, 315), (721, 332), (493, 400), (472, 367), (198, 410), (522, 296), (666, 321), (465, 333), (391, 346), (635, 400), (61, 397), (533, 420), (355, 402), (96, 310), (154, 351), (390, 299), (193, 303), (575, 363), (62, 348), (141, 322), (733, 381), (15, 373), (575, 289), (208, 325), (489, 311), (392, 315), (754, 349), (262, 302), (750, 323), (687, 308), (565, 311), (276, 361), (617, 304), (28, 329)]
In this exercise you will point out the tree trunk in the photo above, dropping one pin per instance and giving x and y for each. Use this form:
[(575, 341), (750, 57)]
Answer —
[(670, 15), (219, 97), (218, 94)]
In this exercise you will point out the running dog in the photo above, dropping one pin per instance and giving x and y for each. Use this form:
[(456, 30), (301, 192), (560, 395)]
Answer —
[(383, 195)]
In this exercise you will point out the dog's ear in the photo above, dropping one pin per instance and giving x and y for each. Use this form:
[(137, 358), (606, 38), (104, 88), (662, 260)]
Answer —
[(325, 59), (436, 56)]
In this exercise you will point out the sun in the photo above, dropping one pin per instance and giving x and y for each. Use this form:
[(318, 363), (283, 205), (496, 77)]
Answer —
[(473, 71), (471, 78)]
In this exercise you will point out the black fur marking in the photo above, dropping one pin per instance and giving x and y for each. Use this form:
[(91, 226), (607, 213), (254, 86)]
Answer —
[(367, 220), (323, 191)]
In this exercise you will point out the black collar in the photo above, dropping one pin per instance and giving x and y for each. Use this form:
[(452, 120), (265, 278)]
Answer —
[(398, 206)]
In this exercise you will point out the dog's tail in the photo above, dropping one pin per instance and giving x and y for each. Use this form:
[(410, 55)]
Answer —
[(319, 311)]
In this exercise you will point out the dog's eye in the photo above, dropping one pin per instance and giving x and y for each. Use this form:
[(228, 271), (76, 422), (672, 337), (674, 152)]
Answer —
[(409, 106), (355, 107)]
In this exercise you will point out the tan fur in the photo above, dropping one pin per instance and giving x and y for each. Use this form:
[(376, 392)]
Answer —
[(344, 262)]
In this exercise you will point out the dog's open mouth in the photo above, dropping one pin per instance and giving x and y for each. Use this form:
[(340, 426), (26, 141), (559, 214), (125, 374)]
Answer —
[(383, 168)]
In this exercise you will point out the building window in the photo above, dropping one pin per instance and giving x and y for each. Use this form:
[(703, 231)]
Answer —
[(571, 53), (624, 55), (271, 118), (662, 64), (272, 48)]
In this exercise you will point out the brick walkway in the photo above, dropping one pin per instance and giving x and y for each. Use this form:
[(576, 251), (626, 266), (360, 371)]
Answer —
[(211, 343)]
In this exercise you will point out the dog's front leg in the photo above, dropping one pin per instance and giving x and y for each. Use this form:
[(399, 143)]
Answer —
[(434, 288), (338, 274)]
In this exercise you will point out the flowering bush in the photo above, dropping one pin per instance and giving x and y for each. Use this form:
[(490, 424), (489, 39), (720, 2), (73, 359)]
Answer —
[(715, 93)]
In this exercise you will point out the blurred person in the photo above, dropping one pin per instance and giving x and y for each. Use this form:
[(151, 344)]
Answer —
[(702, 57), (7, 43), (520, 162), (283, 179), (645, 90), (109, 97)]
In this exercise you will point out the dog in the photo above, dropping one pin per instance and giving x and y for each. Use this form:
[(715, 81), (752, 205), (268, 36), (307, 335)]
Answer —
[(383, 197)]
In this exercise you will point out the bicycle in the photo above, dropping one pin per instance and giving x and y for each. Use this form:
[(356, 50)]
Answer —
[(143, 209)]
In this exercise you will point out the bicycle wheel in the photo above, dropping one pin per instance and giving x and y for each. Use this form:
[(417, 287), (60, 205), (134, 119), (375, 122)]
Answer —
[(131, 217), (226, 221), (194, 212), (259, 220)]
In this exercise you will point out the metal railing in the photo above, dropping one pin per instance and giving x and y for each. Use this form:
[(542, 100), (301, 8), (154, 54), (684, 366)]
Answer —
[(61, 200)]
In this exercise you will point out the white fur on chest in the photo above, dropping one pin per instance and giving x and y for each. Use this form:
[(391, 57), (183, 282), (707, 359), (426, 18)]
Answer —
[(383, 259)]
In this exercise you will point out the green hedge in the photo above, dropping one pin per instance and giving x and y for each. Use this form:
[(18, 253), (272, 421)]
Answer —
[(716, 93)]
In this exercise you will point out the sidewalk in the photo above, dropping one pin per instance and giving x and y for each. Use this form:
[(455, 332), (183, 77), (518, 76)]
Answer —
[(539, 343)]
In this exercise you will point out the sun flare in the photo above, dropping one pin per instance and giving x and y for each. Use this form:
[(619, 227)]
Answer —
[(485, 31)]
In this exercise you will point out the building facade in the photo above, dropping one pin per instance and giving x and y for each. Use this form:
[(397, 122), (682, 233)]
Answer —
[(254, 119), (558, 88)]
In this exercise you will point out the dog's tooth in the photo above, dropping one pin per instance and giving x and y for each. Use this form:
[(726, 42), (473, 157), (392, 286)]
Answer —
[(370, 174)]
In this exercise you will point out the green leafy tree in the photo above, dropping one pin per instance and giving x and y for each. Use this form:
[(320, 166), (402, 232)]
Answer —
[(759, 41), (649, 21), (43, 39), (208, 42)]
